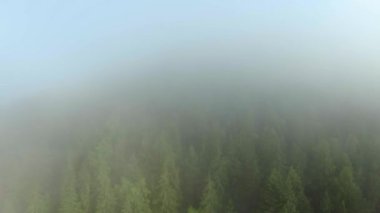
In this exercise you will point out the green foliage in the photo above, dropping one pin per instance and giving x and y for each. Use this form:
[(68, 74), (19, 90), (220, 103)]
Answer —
[(213, 162), (169, 195), (105, 199), (192, 210), (135, 197), (69, 197), (192, 178), (291, 204), (349, 191), (296, 194), (275, 193), (211, 202), (85, 190)]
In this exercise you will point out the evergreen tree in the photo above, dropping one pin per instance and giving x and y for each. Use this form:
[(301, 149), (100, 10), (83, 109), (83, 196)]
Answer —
[(320, 172), (296, 189), (85, 189), (105, 199), (135, 197), (290, 205), (274, 194), (212, 161), (192, 210), (69, 197), (349, 191), (192, 178), (211, 202), (245, 176), (169, 195)]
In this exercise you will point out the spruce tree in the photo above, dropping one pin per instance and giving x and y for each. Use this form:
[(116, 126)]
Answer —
[(69, 196), (274, 194), (192, 210), (85, 189), (211, 202), (296, 189), (192, 178), (104, 198), (349, 191), (290, 205), (135, 197), (169, 195)]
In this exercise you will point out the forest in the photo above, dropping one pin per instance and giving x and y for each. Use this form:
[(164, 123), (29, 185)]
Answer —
[(190, 149)]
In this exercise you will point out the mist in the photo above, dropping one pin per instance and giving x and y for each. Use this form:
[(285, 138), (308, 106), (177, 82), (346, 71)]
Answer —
[(194, 107)]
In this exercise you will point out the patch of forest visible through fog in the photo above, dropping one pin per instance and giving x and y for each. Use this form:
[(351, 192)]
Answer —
[(198, 136)]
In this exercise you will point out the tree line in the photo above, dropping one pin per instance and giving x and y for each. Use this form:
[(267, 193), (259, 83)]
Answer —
[(211, 161)]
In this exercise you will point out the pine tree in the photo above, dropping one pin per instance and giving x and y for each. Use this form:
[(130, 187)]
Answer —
[(135, 197), (192, 210), (320, 172), (105, 199), (211, 202), (349, 191), (85, 189), (274, 194), (244, 172), (220, 171), (169, 194), (192, 179), (290, 205), (69, 197), (296, 189)]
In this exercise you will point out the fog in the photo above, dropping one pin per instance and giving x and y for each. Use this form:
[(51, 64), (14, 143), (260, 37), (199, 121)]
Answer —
[(71, 72)]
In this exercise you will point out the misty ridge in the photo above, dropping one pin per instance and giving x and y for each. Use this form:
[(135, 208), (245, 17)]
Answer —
[(224, 131)]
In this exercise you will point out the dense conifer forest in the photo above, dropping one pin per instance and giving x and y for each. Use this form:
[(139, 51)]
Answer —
[(176, 148)]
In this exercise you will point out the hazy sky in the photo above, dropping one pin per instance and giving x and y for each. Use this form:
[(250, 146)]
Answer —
[(46, 43)]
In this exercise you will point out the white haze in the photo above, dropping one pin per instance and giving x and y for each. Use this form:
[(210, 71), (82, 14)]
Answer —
[(57, 79)]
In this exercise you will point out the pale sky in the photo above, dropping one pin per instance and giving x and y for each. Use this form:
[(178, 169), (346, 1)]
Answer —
[(46, 43)]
